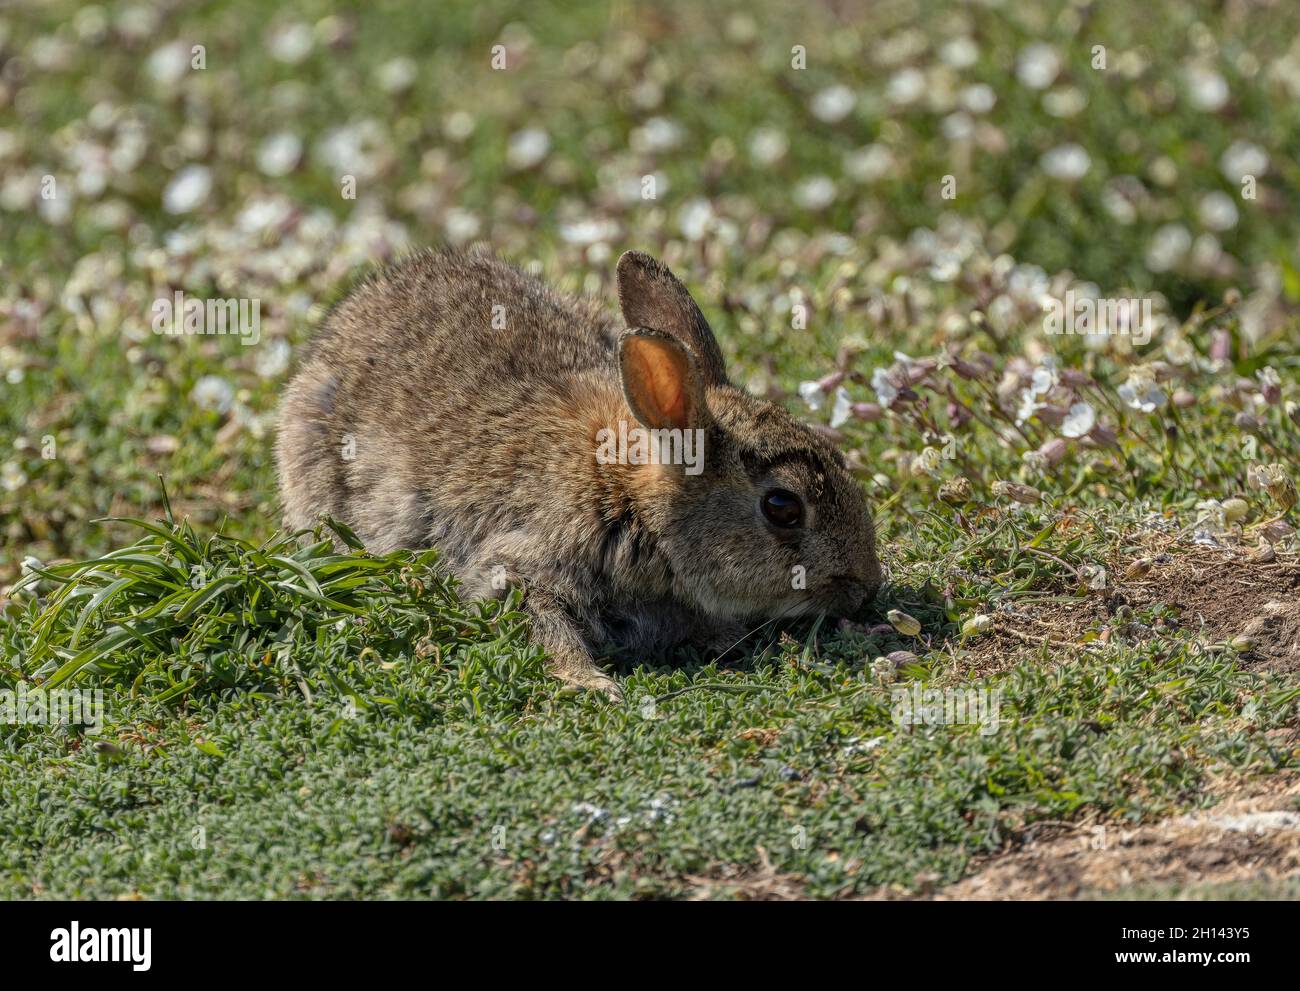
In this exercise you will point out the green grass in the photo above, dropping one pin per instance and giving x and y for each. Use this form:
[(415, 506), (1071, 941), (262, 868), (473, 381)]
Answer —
[(305, 723), (288, 719)]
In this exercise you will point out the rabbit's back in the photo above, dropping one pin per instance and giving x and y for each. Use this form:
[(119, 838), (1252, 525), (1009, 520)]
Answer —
[(428, 399), (486, 319)]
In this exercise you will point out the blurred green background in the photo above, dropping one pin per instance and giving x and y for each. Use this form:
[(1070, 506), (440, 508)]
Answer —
[(783, 140)]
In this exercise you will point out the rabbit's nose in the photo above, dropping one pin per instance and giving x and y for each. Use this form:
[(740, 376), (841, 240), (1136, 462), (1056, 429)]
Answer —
[(851, 594)]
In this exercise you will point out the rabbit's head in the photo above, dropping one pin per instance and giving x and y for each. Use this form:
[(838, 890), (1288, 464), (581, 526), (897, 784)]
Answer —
[(766, 520)]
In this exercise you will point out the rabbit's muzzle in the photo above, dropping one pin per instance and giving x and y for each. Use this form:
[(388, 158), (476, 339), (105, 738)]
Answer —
[(854, 593)]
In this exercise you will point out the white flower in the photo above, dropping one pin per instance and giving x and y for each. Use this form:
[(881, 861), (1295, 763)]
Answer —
[(843, 409), (1240, 159), (1038, 66), (188, 189), (886, 391), (1029, 406), (768, 145), (1168, 247), (927, 463), (212, 392), (1079, 420), (273, 359), (459, 125), (906, 86), (12, 477), (1065, 102), (958, 127), (833, 103), (815, 193), (1044, 378), (1141, 392), (869, 163), (979, 98), (168, 64), (946, 267), (589, 230), (354, 149), (527, 148), (696, 218), (1067, 161), (461, 225), (960, 52), (1094, 576), (1179, 351), (1208, 89), (397, 75), (291, 43), (1217, 211), (279, 154), (1116, 202), (657, 134), (812, 394)]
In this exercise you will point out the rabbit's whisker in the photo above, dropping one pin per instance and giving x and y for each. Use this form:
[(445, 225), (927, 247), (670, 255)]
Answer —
[(790, 611)]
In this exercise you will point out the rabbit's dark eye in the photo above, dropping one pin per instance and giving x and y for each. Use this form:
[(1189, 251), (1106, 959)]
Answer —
[(782, 508)]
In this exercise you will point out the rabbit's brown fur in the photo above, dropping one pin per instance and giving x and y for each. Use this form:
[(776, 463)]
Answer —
[(418, 422)]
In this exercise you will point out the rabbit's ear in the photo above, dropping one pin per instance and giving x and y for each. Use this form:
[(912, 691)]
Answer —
[(661, 380), (651, 296)]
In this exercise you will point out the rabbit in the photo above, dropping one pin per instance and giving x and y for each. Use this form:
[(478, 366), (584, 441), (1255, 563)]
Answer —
[(453, 401)]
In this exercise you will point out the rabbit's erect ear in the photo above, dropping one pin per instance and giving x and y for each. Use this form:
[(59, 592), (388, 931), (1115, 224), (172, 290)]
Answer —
[(661, 380), (651, 296)]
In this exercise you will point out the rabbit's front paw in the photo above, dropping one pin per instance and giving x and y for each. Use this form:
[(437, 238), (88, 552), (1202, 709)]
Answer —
[(568, 657), (588, 676)]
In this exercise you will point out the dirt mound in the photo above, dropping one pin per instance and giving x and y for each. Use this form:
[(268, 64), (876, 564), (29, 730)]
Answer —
[(1252, 841), (1216, 594)]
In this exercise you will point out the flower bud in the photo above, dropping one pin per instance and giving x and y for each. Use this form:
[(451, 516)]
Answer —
[(1139, 569), (955, 491), (831, 382), (1054, 450), (1026, 494), (883, 669), (1276, 531), (1234, 510), (1279, 486), (902, 658), (907, 625)]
